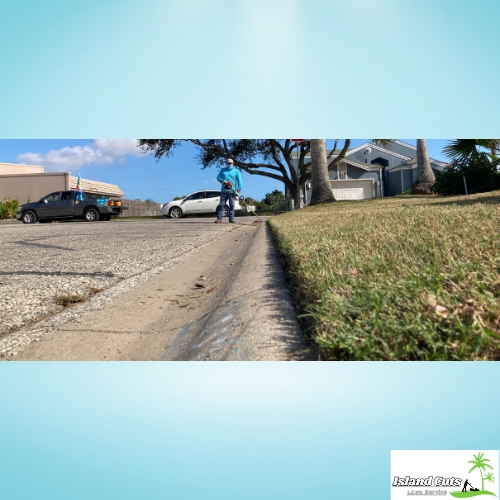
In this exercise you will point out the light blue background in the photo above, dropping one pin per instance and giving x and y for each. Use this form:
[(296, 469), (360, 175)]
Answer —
[(214, 68), (232, 430), (249, 68)]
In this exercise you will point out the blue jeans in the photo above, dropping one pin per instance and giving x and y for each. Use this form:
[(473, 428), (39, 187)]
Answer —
[(224, 196)]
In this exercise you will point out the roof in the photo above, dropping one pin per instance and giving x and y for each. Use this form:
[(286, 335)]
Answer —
[(96, 187), (364, 166), (413, 163)]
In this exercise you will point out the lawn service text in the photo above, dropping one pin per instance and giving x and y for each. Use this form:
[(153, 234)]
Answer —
[(430, 481)]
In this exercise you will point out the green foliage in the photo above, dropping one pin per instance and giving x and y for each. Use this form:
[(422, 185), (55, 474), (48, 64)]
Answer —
[(406, 193), (480, 173), (280, 206), (274, 197), (150, 202), (250, 201), (465, 149), (385, 143), (262, 206), (8, 208)]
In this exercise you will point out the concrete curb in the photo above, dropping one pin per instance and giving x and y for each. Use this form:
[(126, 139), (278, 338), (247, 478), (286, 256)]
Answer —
[(255, 318), (228, 301)]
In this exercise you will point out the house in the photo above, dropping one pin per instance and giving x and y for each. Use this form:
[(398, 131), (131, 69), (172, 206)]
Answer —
[(29, 182), (370, 170)]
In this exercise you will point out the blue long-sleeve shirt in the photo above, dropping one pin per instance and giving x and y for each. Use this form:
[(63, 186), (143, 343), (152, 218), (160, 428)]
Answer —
[(230, 174)]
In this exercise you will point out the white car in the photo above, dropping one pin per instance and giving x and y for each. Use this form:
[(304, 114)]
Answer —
[(201, 202)]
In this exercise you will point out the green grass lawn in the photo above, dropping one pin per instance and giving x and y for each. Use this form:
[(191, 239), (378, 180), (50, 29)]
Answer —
[(406, 278)]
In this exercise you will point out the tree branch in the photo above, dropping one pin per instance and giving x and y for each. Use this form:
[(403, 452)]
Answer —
[(282, 168), (341, 155), (334, 148)]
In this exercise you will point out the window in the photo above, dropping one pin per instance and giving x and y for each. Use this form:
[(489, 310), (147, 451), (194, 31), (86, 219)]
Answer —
[(53, 197), (196, 196), (66, 196), (213, 194)]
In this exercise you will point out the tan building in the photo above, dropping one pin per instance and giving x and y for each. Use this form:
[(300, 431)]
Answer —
[(29, 182)]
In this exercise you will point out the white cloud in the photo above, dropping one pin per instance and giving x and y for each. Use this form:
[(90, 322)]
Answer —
[(100, 152), (118, 147)]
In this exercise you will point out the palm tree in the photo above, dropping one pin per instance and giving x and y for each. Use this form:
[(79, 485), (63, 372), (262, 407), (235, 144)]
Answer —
[(465, 149), (385, 143), (489, 477), (480, 463), (321, 190), (425, 175)]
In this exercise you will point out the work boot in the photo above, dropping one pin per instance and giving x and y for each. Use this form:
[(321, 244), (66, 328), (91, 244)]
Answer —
[(232, 221), (217, 221)]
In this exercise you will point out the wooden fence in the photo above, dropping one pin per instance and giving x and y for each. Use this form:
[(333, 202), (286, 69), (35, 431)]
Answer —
[(139, 208)]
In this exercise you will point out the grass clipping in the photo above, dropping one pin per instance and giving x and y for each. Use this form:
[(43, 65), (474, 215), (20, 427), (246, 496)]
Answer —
[(413, 278)]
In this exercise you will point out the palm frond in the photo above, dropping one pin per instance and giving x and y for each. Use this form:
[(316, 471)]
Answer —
[(385, 143)]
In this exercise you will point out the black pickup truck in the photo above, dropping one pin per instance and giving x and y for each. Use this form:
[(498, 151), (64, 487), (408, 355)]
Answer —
[(64, 205)]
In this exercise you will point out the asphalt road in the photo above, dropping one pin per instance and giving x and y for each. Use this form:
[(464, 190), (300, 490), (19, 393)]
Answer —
[(40, 263)]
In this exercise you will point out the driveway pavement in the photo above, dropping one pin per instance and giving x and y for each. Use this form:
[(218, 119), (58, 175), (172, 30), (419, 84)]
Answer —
[(138, 282)]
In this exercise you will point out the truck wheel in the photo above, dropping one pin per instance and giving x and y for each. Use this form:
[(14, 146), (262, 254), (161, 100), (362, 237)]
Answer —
[(175, 213), (91, 215), (29, 217)]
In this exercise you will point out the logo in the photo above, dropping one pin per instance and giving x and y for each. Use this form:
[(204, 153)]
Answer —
[(458, 473)]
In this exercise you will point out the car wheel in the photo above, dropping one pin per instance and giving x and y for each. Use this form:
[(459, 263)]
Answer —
[(91, 215), (175, 213), (29, 217)]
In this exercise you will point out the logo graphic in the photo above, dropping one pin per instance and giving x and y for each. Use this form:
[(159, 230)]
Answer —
[(480, 463), (458, 473)]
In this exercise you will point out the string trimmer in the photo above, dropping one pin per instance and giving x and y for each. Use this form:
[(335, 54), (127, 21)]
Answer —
[(229, 185)]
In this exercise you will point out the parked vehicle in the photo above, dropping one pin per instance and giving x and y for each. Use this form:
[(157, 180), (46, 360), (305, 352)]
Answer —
[(64, 205), (201, 202)]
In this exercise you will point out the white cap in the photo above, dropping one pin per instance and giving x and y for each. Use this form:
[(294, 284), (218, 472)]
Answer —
[(229, 161)]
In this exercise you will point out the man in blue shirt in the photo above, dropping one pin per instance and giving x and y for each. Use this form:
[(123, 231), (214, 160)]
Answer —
[(230, 178)]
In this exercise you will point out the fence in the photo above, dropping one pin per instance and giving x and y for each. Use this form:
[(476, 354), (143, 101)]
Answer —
[(138, 208)]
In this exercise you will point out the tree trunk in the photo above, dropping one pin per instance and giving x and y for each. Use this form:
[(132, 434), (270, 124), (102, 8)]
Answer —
[(321, 190), (425, 175), (292, 193)]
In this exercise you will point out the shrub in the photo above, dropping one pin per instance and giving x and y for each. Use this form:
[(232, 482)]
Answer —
[(272, 198), (263, 207), (8, 208), (480, 174)]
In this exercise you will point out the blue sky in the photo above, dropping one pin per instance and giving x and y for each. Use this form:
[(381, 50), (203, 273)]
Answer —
[(139, 175)]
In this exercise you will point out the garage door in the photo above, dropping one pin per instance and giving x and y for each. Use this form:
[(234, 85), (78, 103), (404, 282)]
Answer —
[(353, 190)]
